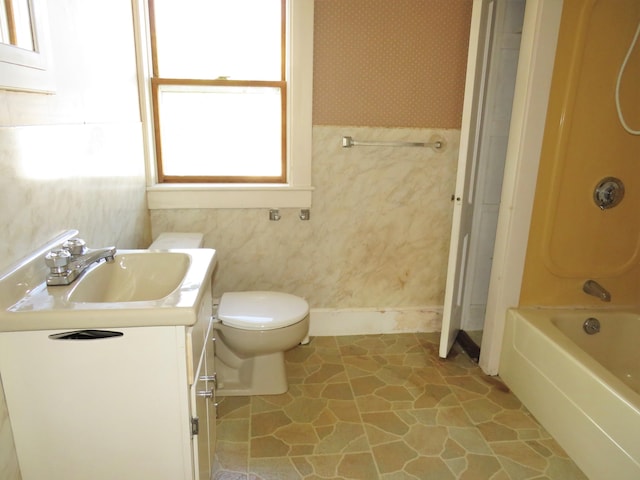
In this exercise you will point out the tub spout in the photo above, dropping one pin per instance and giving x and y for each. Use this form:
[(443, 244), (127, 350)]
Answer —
[(591, 287)]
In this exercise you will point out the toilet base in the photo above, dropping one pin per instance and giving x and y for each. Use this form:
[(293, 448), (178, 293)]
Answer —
[(251, 362), (261, 375)]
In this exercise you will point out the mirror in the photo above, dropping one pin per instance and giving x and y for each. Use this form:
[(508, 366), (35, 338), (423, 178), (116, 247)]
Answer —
[(25, 60)]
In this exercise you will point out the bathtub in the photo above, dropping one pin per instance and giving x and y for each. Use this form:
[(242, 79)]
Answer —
[(584, 389)]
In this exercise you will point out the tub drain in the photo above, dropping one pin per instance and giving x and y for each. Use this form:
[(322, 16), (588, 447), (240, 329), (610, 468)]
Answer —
[(591, 325)]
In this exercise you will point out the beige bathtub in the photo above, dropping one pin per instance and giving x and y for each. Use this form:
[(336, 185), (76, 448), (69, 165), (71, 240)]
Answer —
[(582, 388)]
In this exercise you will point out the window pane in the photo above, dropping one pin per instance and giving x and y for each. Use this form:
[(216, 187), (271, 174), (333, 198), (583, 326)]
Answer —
[(22, 17), (17, 29), (239, 39), (220, 131)]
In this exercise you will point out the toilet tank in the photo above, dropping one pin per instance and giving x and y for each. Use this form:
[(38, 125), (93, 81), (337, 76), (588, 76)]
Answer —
[(169, 240)]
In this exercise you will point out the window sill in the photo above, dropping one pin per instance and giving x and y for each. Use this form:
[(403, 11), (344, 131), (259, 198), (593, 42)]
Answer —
[(227, 196)]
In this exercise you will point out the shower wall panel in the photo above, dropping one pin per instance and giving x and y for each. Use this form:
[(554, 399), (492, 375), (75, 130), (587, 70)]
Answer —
[(571, 238)]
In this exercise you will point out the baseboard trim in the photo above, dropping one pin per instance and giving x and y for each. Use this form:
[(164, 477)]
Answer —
[(367, 321)]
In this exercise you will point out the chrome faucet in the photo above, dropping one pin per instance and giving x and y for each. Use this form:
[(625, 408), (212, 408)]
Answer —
[(591, 287), (67, 263)]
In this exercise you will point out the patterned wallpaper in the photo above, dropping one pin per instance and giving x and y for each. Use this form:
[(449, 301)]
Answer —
[(385, 63)]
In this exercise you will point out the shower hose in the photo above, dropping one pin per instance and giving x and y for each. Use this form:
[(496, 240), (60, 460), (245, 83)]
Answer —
[(620, 73)]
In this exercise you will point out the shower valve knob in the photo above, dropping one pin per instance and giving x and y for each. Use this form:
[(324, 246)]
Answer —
[(608, 193)]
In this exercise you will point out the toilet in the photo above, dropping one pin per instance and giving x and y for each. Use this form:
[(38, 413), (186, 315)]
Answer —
[(253, 330)]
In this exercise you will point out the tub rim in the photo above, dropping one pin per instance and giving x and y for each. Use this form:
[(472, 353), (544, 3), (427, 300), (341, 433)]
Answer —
[(540, 319)]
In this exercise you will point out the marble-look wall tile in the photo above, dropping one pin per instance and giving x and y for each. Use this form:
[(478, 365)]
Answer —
[(378, 234), (85, 177)]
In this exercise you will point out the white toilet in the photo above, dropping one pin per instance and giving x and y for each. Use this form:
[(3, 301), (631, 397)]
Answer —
[(253, 330)]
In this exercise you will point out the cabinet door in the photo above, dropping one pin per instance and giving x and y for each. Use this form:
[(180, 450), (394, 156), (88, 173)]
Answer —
[(199, 437), (99, 409), (212, 384), (204, 408)]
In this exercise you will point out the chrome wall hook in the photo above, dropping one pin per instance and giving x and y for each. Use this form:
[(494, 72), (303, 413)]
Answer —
[(274, 215)]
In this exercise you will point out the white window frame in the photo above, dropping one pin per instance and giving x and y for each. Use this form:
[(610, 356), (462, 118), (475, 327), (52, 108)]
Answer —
[(296, 193), (30, 70)]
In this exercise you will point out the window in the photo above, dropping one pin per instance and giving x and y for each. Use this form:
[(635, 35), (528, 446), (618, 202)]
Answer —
[(25, 61), (15, 24), (226, 93)]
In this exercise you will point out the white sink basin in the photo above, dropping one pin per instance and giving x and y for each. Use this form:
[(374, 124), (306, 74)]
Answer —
[(132, 277), (140, 288)]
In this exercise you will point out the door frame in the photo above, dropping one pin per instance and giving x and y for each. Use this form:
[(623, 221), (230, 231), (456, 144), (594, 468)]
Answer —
[(526, 132)]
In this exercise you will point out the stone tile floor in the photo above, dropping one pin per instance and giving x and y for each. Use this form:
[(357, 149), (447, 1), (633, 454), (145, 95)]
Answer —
[(385, 407)]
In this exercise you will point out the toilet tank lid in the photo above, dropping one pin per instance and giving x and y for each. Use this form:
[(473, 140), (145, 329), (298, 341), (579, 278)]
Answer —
[(261, 310)]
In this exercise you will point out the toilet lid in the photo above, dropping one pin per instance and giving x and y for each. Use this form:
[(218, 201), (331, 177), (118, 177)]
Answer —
[(261, 310)]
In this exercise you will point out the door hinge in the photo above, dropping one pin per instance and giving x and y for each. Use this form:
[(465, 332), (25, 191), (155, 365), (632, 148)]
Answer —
[(195, 426)]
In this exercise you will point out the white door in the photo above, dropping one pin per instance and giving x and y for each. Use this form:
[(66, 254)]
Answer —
[(480, 40)]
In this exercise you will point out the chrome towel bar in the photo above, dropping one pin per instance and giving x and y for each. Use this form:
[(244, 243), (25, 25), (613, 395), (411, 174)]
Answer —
[(348, 142)]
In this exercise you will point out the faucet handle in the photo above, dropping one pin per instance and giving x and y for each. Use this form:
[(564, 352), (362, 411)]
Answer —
[(75, 246), (57, 260)]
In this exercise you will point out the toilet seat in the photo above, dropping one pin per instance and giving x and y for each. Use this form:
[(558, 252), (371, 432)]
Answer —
[(261, 310)]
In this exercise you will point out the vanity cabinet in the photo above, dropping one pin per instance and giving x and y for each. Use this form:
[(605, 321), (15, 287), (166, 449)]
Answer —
[(136, 403)]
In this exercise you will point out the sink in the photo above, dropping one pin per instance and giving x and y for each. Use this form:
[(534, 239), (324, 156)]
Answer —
[(132, 277), (139, 288)]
